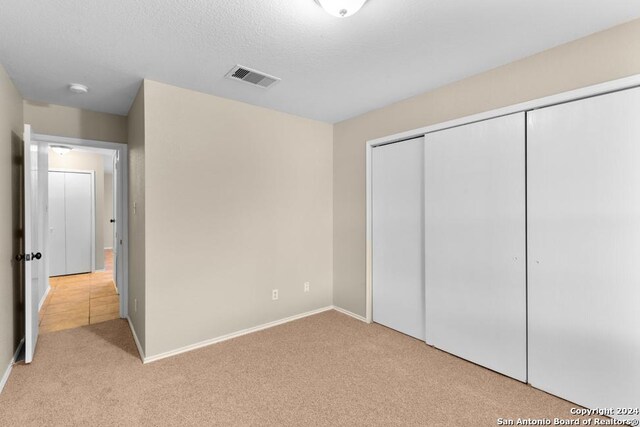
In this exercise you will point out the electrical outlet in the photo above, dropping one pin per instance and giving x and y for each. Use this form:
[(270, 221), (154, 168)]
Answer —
[(274, 294), (307, 286), (135, 305)]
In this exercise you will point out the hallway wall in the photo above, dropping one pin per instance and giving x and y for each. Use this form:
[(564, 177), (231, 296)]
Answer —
[(57, 120), (137, 217)]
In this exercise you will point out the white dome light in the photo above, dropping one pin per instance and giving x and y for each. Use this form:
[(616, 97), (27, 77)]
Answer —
[(61, 149), (341, 8), (78, 88)]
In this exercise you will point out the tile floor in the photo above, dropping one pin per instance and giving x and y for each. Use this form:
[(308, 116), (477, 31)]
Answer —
[(80, 299)]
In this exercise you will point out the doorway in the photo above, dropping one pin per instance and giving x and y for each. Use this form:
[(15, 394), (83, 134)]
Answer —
[(83, 228)]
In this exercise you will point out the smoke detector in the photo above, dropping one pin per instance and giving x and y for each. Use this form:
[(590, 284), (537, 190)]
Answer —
[(253, 77)]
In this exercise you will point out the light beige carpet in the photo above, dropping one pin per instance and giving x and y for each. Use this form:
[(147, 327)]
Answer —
[(328, 369)]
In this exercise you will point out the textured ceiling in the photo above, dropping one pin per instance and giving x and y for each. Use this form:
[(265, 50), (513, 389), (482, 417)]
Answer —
[(331, 69)]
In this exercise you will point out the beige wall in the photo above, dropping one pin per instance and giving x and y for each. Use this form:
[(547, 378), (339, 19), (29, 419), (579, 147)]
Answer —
[(50, 119), (11, 330), (603, 56), (238, 202), (137, 242), (89, 162), (108, 210)]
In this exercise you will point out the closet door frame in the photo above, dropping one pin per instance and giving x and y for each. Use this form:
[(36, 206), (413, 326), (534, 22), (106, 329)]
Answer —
[(573, 95), (92, 174)]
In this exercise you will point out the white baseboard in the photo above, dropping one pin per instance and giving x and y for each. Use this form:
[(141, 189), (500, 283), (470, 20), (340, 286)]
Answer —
[(135, 338), (233, 335), (7, 371), (348, 313), (44, 297)]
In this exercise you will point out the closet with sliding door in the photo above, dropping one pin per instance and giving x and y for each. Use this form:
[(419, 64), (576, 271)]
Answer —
[(531, 244), (71, 222)]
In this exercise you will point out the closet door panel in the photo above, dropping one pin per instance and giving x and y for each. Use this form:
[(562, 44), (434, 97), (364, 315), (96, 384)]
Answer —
[(475, 243), (56, 253), (79, 211), (584, 250), (398, 256)]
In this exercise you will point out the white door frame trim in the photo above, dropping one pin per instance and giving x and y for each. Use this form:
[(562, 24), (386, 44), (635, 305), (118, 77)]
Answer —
[(573, 95), (93, 214), (123, 195)]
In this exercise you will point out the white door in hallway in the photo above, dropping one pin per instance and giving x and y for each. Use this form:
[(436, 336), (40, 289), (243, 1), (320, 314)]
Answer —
[(116, 217), (475, 243), (584, 247), (71, 221), (79, 222), (57, 235), (398, 256), (33, 227)]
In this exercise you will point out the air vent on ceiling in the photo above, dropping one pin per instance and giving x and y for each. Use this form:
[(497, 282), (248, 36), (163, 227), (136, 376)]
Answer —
[(253, 77)]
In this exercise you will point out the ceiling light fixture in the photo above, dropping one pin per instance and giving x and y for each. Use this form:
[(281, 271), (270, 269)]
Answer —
[(61, 149), (341, 8), (78, 88)]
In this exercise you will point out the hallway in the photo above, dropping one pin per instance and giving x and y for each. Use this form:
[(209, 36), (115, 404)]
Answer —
[(81, 299)]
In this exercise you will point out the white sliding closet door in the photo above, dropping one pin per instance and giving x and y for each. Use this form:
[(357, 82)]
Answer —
[(71, 222), (57, 228), (584, 250), (398, 256), (79, 221), (475, 243)]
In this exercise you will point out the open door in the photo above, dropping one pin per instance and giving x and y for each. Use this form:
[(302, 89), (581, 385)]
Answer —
[(116, 223), (34, 216)]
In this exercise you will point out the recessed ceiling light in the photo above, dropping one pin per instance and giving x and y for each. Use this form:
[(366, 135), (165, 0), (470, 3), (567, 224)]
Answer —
[(341, 8), (78, 88)]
